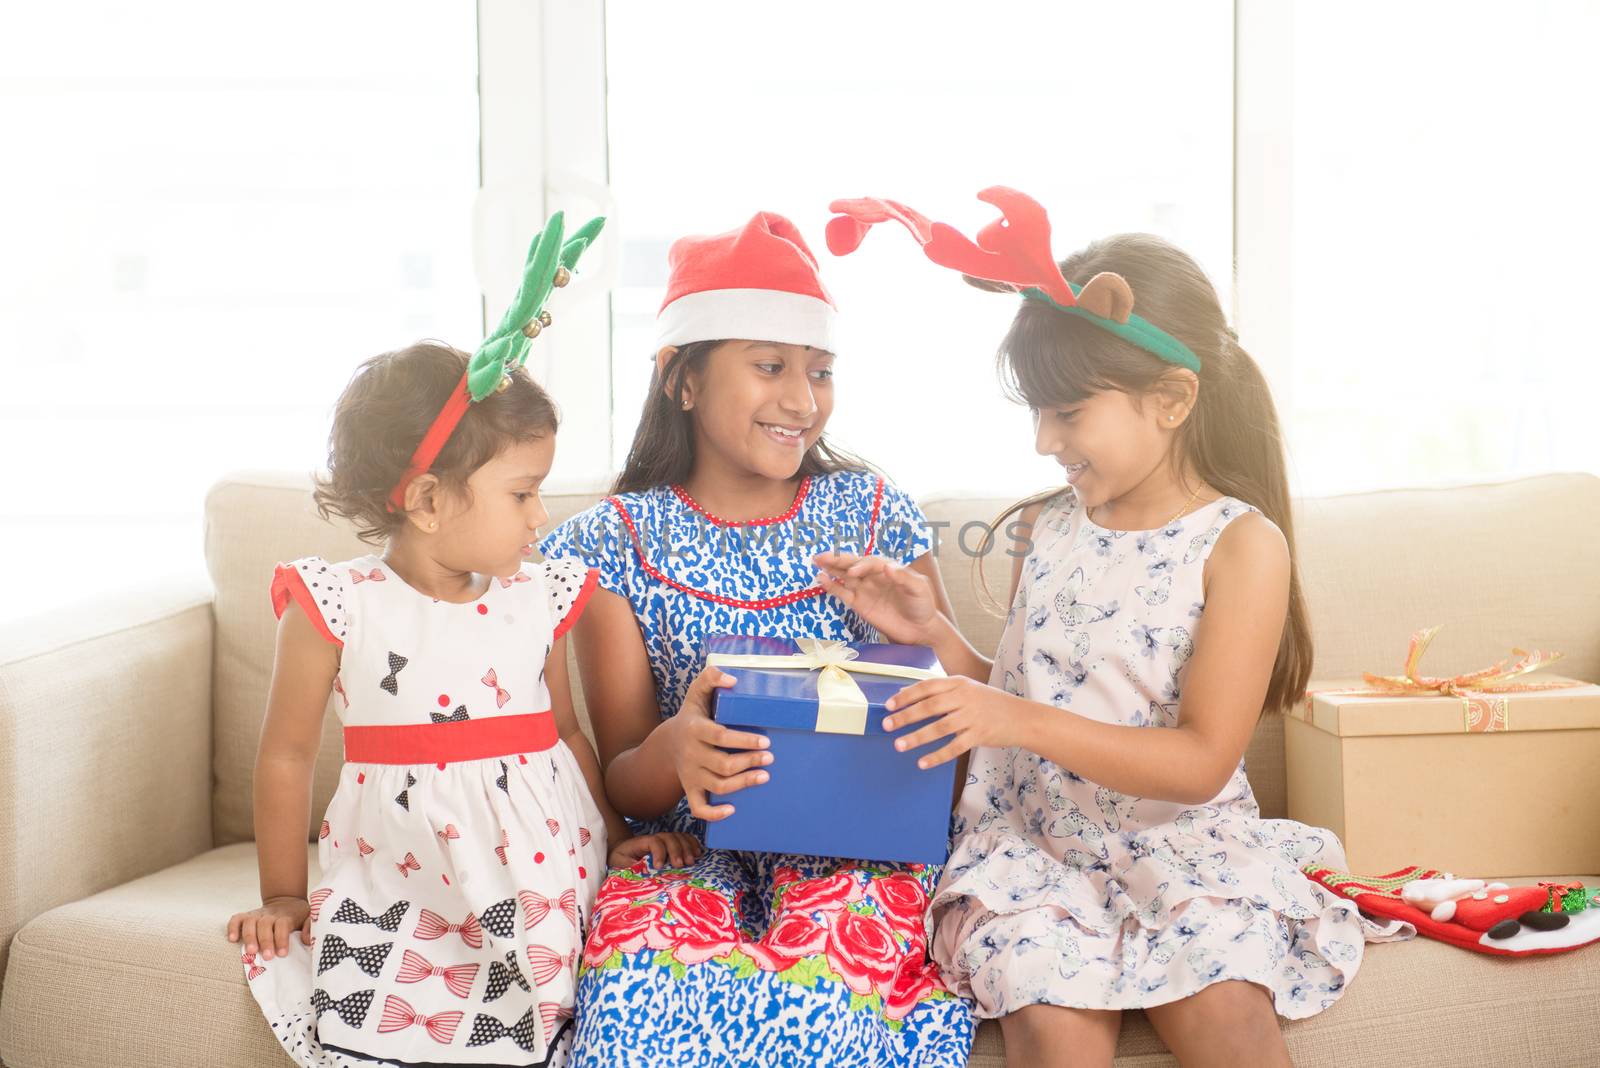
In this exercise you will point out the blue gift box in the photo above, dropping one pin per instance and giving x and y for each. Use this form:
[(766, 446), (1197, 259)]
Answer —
[(837, 786)]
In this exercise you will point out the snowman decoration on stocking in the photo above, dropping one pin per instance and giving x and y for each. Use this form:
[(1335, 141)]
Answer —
[(1487, 917)]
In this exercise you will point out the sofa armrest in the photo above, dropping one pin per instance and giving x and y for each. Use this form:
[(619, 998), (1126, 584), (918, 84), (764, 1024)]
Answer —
[(105, 746)]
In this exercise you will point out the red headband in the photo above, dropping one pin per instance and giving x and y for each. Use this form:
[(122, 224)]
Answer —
[(548, 267)]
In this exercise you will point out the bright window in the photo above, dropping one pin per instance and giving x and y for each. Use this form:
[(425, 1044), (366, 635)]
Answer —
[(1444, 228), (221, 215), (214, 213), (749, 107)]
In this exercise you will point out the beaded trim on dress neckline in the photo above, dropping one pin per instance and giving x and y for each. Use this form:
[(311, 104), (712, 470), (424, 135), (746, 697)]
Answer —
[(794, 508), (758, 604)]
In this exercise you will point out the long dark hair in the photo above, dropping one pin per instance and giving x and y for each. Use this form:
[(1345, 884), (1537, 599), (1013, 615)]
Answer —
[(1231, 438), (662, 452)]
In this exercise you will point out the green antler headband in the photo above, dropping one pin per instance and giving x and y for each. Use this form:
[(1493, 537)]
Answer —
[(1013, 250), (549, 266)]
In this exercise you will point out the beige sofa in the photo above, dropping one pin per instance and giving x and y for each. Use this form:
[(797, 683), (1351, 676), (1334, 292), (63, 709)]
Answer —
[(127, 732)]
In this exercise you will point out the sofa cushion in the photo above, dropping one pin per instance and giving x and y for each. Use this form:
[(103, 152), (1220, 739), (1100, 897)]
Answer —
[(105, 746), (1420, 1002), (141, 975), (1511, 563), (125, 976), (1375, 567)]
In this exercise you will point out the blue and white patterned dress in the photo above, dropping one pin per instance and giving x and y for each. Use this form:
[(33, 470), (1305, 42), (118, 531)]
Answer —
[(1061, 892), (751, 958)]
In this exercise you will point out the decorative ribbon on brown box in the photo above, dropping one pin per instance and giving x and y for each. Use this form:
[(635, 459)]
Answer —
[(1483, 703)]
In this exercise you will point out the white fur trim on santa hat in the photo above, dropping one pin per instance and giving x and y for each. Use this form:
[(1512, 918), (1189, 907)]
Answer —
[(749, 314)]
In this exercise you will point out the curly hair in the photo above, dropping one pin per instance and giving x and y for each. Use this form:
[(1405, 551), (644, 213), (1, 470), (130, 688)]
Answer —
[(384, 412)]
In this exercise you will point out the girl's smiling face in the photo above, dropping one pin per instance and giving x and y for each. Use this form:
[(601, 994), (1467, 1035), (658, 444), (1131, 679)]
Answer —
[(761, 405), (1108, 443), (492, 527)]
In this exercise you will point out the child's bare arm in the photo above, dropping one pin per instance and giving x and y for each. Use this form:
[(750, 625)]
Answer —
[(1247, 596), (673, 850), (303, 670), (651, 762), (560, 686), (620, 691)]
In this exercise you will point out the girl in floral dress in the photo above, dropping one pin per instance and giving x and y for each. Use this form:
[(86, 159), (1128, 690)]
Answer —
[(468, 834), (739, 958), (1109, 851)]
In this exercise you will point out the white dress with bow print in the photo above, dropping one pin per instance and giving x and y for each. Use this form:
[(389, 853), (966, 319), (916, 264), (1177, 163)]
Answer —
[(462, 850), (1062, 892)]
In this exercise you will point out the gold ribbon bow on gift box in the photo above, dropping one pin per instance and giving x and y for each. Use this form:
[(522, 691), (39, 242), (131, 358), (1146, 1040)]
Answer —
[(841, 706), (1484, 706)]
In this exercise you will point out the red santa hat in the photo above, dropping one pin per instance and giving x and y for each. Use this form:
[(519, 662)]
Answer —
[(759, 282)]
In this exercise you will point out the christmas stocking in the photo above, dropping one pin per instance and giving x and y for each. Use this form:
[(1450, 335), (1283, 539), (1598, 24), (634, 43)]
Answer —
[(1510, 921)]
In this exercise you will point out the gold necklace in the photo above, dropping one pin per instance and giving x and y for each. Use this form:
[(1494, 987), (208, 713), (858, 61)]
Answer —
[(1175, 515), (1195, 496)]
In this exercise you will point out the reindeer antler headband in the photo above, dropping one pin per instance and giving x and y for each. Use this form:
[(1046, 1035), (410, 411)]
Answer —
[(1014, 250), (548, 266)]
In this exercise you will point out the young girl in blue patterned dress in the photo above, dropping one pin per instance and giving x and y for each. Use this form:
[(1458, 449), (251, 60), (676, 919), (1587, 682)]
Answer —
[(1109, 852), (728, 491)]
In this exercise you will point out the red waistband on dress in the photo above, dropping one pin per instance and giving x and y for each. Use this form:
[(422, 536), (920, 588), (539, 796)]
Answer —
[(448, 743)]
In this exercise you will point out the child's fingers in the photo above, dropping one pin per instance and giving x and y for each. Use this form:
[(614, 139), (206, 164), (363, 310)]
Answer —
[(698, 696), (698, 806), (686, 849), (735, 783), (247, 934), (305, 932), (939, 728), (836, 589), (936, 705), (677, 850), (701, 808), (710, 678), (234, 922), (835, 561), (281, 928), (920, 691), (728, 765), (908, 581), (869, 565), (726, 738), (944, 753)]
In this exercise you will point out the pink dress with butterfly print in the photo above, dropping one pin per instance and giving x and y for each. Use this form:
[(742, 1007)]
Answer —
[(462, 850), (1060, 891)]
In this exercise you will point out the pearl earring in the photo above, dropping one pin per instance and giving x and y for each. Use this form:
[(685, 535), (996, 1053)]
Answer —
[(685, 405), (432, 524)]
